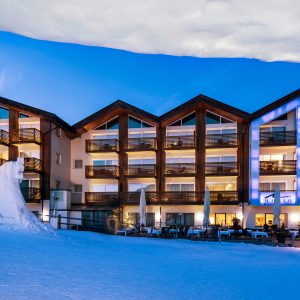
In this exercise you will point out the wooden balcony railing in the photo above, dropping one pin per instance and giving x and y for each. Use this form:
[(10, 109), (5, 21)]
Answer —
[(102, 198), (180, 169), (141, 144), (142, 170), (180, 142), (160, 198), (2, 161), (4, 137), (281, 167), (102, 171), (32, 164), (100, 145), (221, 140), (25, 135), (32, 195), (221, 169), (224, 197), (278, 138)]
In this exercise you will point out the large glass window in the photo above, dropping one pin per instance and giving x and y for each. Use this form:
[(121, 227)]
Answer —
[(135, 218), (136, 123), (218, 186), (271, 157), (221, 158), (4, 113), (262, 219), (270, 186), (112, 124), (107, 162), (105, 188), (182, 219), (175, 160), (212, 118), (185, 121), (136, 187), (142, 161), (178, 187)]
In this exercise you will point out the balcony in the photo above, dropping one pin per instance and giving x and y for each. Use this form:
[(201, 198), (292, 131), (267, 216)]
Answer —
[(278, 138), (143, 170), (101, 145), (32, 195), (141, 144), (32, 165), (133, 198), (221, 140), (180, 142), (2, 161), (224, 197), (101, 172), (102, 198), (221, 169), (25, 136), (281, 167), (4, 137), (180, 169)]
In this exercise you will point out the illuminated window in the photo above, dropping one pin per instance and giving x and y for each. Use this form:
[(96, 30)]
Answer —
[(135, 218), (212, 118), (262, 219), (222, 218), (112, 124), (136, 123), (184, 219), (186, 121)]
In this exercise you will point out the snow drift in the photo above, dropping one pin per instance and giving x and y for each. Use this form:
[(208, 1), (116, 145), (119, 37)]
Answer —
[(13, 210)]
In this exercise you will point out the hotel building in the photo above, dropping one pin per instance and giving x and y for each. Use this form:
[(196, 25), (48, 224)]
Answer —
[(96, 169)]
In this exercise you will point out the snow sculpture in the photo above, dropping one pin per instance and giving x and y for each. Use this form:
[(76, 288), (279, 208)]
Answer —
[(13, 210)]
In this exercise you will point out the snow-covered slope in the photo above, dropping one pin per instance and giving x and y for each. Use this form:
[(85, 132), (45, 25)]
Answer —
[(83, 265)]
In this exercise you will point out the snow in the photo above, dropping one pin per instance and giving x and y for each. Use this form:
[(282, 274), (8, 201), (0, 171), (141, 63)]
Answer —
[(13, 209), (85, 265)]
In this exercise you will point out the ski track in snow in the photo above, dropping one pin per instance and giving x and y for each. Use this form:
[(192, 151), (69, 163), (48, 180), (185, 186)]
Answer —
[(85, 265)]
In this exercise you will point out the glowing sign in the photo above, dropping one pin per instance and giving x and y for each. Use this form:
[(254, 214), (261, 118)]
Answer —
[(286, 198)]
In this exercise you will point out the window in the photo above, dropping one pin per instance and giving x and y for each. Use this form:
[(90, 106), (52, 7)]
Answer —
[(112, 124), (222, 218), (212, 118), (77, 188), (177, 160), (273, 129), (23, 116), (105, 187), (186, 121), (215, 186), (4, 113), (178, 187), (107, 162), (143, 161), (262, 219), (136, 187), (135, 123), (282, 117), (270, 186), (183, 219), (58, 132), (58, 158), (220, 158), (106, 136), (135, 218), (57, 184), (78, 164), (271, 157)]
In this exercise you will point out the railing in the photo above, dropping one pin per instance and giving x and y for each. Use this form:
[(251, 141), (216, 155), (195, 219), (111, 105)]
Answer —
[(221, 140), (102, 198), (101, 145), (101, 171), (2, 161), (160, 198), (224, 197), (278, 138), (25, 135), (141, 144), (4, 137), (180, 169), (281, 167), (180, 142), (32, 195), (32, 164), (221, 169), (143, 170)]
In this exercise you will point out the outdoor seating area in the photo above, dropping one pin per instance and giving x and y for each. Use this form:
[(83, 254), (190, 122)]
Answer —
[(269, 236)]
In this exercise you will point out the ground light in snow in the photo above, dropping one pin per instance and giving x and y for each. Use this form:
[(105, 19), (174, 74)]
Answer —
[(84, 265), (13, 209)]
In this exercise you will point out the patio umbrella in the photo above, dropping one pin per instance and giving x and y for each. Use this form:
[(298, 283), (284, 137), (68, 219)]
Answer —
[(206, 209), (276, 206), (142, 208)]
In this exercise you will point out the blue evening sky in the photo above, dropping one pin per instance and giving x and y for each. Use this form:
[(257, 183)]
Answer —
[(74, 81)]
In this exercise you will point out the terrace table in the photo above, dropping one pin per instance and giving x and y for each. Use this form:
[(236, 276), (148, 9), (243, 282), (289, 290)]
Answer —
[(294, 233), (232, 230), (195, 232), (224, 232), (255, 234), (121, 232)]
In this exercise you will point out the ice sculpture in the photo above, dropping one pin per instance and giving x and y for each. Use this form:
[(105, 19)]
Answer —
[(13, 210)]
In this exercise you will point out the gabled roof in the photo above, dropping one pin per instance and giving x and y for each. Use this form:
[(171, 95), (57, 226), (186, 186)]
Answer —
[(207, 102), (37, 112), (275, 104), (117, 105)]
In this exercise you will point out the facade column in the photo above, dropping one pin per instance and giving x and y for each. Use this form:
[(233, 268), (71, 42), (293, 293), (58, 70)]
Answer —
[(13, 126), (160, 158), (200, 151), (123, 157), (298, 154)]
